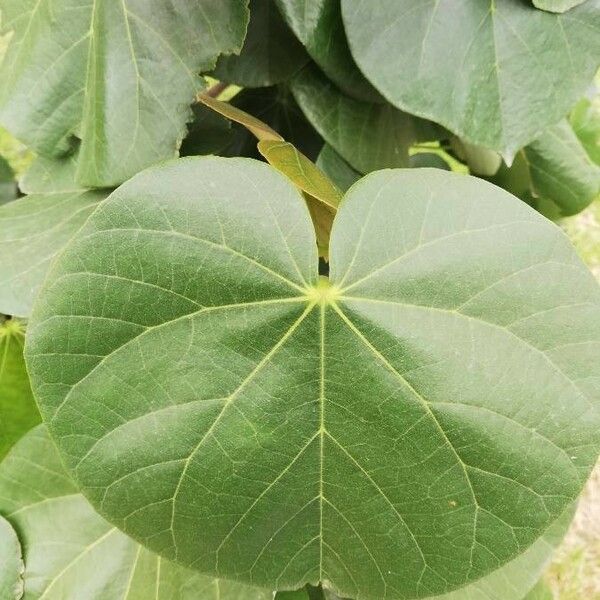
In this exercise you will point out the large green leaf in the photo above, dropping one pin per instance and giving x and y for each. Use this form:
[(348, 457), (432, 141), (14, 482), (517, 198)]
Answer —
[(271, 53), (369, 136), (319, 26), (71, 552), (119, 75), (402, 429), (18, 411), (33, 230), (496, 73), (11, 563)]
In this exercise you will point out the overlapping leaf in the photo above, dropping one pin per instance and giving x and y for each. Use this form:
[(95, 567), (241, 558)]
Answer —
[(35, 228), (11, 563), (271, 54), (495, 73), (8, 185), (401, 430), (118, 75), (557, 6), (554, 174), (18, 412), (368, 136), (319, 26), (71, 552)]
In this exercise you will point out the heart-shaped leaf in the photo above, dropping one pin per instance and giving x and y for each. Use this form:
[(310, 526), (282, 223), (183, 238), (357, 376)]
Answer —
[(271, 53), (18, 411), (369, 136), (402, 429), (319, 26), (118, 75), (11, 563), (495, 73), (72, 552)]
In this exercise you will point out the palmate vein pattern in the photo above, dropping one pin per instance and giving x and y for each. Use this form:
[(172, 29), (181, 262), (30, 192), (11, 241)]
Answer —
[(397, 431)]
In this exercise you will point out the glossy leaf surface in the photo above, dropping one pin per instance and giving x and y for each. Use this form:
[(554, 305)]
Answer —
[(11, 563), (71, 552), (271, 53), (402, 429), (369, 136), (496, 73), (18, 411), (120, 76)]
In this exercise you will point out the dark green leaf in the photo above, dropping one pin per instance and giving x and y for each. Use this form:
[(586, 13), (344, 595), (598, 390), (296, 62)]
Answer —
[(276, 107), (72, 552), (496, 73), (11, 563), (405, 428), (428, 159), (368, 136), (118, 75), (8, 185), (319, 26), (271, 53), (18, 411), (208, 133), (336, 168)]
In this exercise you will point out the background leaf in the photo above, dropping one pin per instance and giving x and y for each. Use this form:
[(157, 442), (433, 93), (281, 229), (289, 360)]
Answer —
[(8, 185), (336, 168), (368, 136), (18, 411), (89, 559), (94, 76), (11, 573), (276, 107), (271, 53), (495, 73), (33, 230), (250, 383), (319, 26), (557, 6)]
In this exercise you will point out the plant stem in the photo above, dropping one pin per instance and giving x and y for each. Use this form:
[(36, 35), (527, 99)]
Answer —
[(216, 90)]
